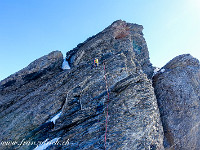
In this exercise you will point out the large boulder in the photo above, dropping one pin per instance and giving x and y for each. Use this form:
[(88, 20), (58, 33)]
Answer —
[(177, 88)]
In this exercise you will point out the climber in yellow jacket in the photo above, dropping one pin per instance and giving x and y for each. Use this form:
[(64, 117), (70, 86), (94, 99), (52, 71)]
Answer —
[(96, 62)]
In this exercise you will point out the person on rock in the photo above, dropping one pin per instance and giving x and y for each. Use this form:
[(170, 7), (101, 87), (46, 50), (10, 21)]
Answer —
[(96, 62)]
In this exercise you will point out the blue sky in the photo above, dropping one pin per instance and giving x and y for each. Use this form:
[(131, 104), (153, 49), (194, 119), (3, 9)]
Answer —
[(30, 29)]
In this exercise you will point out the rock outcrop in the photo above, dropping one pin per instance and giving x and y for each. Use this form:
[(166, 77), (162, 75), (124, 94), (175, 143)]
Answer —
[(32, 96), (29, 97), (177, 88), (133, 113), (120, 36), (44, 103)]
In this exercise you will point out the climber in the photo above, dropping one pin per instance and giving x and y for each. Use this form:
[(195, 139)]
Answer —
[(96, 62)]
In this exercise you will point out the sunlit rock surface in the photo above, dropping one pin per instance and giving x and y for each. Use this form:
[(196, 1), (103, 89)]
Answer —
[(37, 93)]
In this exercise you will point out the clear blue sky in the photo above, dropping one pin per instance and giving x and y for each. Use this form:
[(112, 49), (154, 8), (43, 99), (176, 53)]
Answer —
[(30, 29)]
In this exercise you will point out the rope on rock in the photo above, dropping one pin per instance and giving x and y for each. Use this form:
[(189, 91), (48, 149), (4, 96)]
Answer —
[(107, 101)]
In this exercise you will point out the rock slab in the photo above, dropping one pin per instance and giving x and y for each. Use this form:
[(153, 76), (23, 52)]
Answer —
[(177, 89)]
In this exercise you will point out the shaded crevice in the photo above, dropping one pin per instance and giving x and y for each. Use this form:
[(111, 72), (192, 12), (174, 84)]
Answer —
[(7, 84), (45, 127), (74, 124)]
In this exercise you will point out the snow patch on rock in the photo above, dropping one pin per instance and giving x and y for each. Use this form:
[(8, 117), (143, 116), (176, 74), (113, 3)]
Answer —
[(46, 144), (65, 65), (56, 117)]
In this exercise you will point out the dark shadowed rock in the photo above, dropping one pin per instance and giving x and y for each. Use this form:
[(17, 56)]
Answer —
[(30, 99), (177, 88)]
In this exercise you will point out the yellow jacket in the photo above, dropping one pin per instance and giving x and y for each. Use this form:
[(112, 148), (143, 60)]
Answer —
[(96, 61)]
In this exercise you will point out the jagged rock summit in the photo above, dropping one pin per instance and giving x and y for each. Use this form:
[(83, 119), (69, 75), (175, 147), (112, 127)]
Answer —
[(111, 106), (33, 96), (119, 36)]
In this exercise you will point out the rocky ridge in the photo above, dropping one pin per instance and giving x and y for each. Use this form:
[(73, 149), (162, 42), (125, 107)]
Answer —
[(32, 96)]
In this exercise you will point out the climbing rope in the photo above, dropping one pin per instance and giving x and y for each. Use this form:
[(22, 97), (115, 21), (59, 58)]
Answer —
[(107, 101)]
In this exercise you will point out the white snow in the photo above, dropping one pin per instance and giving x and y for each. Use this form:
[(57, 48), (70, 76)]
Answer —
[(162, 70), (65, 65), (156, 71), (46, 144), (56, 117)]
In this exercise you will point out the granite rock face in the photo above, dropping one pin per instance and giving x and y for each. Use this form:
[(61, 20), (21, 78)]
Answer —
[(32, 96), (177, 88), (29, 97)]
